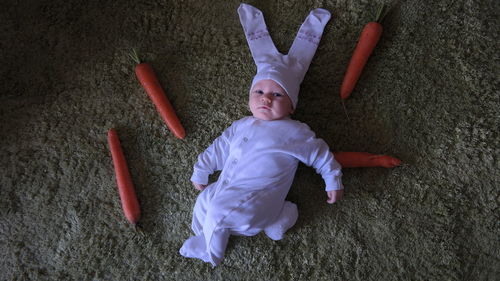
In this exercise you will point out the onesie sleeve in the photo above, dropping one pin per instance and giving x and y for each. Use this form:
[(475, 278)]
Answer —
[(315, 152), (213, 158)]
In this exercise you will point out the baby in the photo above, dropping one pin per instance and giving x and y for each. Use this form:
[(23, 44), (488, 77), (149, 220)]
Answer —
[(258, 155)]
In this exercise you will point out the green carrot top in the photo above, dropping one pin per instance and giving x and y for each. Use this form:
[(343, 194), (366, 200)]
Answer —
[(381, 13), (135, 57)]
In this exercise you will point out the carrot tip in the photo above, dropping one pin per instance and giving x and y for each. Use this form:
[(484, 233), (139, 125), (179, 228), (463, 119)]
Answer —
[(138, 228)]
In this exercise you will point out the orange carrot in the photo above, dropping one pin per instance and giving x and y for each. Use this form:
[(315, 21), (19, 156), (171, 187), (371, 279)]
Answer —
[(130, 205), (148, 79), (364, 159), (366, 43)]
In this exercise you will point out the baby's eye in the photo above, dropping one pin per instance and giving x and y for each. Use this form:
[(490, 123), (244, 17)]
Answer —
[(278, 94), (260, 92)]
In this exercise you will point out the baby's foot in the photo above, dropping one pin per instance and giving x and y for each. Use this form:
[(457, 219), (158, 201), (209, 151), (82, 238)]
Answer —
[(286, 220), (195, 247)]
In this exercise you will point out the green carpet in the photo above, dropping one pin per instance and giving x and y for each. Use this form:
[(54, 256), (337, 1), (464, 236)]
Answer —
[(429, 96)]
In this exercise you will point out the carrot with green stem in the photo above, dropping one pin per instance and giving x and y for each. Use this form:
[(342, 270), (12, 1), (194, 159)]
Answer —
[(130, 205), (149, 81), (367, 41), (365, 159)]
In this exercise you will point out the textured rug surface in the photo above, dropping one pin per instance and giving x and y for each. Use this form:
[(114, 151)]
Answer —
[(429, 96)]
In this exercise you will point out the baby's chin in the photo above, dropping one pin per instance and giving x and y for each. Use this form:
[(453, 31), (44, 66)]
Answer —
[(265, 117)]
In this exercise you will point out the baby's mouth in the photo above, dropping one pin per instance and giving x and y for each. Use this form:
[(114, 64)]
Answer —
[(264, 107)]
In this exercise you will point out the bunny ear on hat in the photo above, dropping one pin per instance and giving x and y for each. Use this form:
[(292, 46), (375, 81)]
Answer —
[(286, 70)]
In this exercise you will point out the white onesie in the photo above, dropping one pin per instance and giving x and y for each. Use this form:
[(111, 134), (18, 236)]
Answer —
[(258, 160)]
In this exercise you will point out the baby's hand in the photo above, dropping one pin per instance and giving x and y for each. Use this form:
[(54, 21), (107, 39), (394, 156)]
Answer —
[(334, 196), (199, 186)]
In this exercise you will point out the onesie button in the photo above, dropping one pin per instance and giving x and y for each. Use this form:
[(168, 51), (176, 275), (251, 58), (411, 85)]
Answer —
[(245, 139), (235, 161), (225, 182)]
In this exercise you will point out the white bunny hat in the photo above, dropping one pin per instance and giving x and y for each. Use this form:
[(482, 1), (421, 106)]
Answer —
[(286, 70)]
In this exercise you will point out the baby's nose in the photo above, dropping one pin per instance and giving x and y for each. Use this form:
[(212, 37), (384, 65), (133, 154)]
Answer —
[(266, 98)]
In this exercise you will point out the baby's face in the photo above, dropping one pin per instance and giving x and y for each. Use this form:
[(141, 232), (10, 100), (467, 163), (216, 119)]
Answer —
[(269, 101)]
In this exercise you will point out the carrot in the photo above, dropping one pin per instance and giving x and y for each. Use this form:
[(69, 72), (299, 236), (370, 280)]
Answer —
[(364, 159), (366, 43), (148, 79), (130, 205)]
